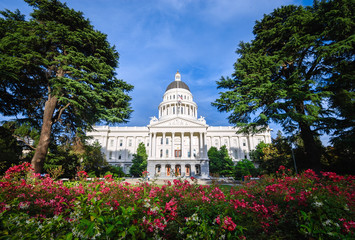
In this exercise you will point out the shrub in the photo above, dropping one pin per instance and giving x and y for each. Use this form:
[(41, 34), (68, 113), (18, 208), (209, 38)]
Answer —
[(306, 206)]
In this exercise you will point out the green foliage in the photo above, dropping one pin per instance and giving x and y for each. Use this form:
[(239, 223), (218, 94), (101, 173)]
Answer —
[(59, 71), (93, 160), (257, 154), (220, 162), (59, 156), (10, 150), (139, 161), (287, 71), (115, 171), (244, 168), (269, 157)]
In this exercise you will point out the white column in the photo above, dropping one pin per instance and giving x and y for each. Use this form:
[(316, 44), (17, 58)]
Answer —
[(172, 144), (201, 151), (229, 147), (164, 143), (125, 149), (182, 144), (116, 148), (251, 145), (154, 145), (240, 148), (205, 145), (150, 144), (191, 138)]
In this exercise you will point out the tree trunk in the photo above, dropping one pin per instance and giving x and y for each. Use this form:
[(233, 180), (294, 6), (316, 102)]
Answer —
[(45, 137), (312, 150)]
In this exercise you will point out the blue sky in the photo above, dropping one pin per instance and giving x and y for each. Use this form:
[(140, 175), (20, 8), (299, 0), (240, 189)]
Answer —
[(155, 38)]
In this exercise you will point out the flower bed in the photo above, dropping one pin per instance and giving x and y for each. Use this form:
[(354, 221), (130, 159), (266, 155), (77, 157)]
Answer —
[(284, 207)]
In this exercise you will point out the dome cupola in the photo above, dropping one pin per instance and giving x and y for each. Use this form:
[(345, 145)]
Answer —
[(177, 101), (177, 83)]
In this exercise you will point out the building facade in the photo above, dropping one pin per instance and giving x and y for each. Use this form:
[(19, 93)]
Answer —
[(177, 141)]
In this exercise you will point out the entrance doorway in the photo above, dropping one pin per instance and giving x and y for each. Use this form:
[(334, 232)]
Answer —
[(188, 170), (177, 170)]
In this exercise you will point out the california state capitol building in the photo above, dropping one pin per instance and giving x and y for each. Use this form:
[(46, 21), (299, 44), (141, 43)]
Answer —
[(177, 141)]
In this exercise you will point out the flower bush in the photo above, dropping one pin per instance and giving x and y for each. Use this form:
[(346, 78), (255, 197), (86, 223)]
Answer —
[(306, 206)]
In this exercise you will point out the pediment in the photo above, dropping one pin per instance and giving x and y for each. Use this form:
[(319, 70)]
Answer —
[(178, 122)]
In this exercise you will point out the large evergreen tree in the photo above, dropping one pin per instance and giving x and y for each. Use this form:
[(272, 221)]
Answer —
[(56, 68), (284, 75)]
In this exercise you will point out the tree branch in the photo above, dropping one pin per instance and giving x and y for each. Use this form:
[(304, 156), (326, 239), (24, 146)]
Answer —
[(59, 113), (24, 141)]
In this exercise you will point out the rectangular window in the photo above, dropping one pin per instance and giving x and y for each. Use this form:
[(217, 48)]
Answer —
[(111, 143), (167, 153), (177, 153), (110, 155), (130, 143), (167, 141), (244, 143), (161, 141)]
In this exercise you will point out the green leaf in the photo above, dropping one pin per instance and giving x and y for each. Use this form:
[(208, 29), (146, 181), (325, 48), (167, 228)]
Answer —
[(109, 229)]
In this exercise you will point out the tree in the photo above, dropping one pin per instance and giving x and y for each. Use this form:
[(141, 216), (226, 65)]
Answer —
[(341, 69), (139, 161), (244, 168), (257, 154), (270, 157), (284, 74), (92, 159), (57, 69), (60, 156), (10, 150), (220, 162)]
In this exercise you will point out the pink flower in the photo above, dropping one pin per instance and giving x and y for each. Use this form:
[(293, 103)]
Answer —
[(82, 174), (108, 178), (227, 223), (282, 168)]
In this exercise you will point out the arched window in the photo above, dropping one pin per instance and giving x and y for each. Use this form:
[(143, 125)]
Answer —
[(198, 169), (177, 170), (187, 170), (168, 169), (157, 169)]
